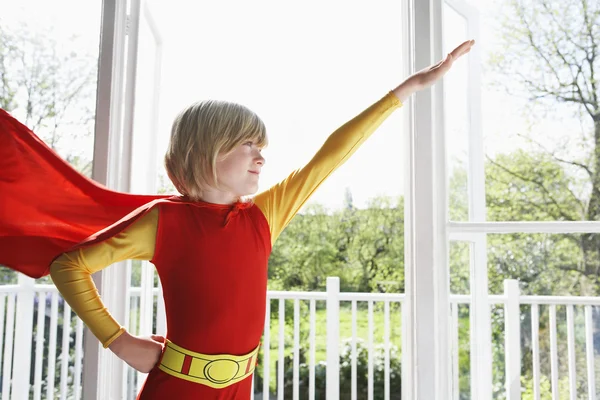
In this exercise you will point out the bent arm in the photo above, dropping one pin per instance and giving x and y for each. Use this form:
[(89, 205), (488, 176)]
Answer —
[(72, 273)]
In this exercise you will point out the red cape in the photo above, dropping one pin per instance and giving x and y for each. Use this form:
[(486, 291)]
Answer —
[(47, 207)]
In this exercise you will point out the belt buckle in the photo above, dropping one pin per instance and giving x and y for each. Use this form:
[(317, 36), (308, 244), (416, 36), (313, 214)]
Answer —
[(221, 370)]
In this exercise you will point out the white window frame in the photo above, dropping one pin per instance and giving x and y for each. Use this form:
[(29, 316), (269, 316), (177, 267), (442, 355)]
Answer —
[(426, 350), (480, 320), (427, 255), (103, 373), (148, 271)]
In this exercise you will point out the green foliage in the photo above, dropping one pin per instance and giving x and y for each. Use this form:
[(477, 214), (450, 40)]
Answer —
[(8, 276), (458, 205), (545, 389), (362, 371), (345, 362), (305, 254), (528, 186), (365, 248)]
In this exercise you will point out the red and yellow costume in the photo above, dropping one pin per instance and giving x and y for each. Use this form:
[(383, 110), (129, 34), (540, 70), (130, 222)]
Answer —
[(211, 259)]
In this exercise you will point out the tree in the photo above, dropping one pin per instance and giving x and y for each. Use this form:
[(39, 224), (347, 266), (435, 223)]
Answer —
[(534, 187), (371, 243), (365, 248), (49, 88), (304, 255), (552, 58)]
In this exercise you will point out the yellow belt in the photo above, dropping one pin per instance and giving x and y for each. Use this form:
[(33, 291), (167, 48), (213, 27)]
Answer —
[(217, 371)]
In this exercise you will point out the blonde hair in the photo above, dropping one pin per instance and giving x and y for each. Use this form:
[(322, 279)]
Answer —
[(200, 134)]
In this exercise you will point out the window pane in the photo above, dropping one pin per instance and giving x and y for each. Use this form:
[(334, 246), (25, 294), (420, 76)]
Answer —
[(49, 70), (540, 109), (145, 112), (460, 254), (460, 267), (461, 349), (545, 264), (456, 118)]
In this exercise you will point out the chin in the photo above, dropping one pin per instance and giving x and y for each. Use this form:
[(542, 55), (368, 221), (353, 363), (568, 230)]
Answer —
[(248, 192)]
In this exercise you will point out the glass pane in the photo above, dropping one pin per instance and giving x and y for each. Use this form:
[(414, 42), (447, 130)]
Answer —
[(49, 71), (545, 264), (498, 352), (456, 118), (461, 349), (460, 267), (540, 109), (460, 254), (145, 113)]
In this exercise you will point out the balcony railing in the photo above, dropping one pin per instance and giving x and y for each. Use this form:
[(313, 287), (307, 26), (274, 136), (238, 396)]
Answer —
[(311, 326)]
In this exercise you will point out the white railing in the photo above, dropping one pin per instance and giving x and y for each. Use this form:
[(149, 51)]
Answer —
[(512, 302), (46, 354), (367, 324), (337, 306)]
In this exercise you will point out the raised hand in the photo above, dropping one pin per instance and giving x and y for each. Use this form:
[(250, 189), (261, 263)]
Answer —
[(428, 76)]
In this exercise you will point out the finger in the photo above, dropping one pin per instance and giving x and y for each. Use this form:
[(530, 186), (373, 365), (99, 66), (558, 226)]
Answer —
[(462, 49), (459, 51), (158, 338)]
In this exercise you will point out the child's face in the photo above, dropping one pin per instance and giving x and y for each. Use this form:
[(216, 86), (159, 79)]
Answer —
[(238, 172)]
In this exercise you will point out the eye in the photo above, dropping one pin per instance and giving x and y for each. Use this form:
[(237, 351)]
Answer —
[(250, 143)]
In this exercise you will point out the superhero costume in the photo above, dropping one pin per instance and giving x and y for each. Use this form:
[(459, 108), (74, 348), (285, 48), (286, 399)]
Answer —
[(212, 261)]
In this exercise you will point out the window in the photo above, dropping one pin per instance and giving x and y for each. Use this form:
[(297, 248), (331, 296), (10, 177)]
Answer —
[(49, 74), (521, 155), (305, 69)]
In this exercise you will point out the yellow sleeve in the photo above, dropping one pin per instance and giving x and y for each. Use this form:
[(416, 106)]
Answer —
[(72, 273), (282, 201)]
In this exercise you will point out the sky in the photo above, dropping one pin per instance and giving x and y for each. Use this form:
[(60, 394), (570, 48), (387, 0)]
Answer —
[(305, 69)]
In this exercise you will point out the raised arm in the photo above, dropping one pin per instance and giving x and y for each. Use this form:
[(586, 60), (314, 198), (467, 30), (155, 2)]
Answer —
[(282, 201)]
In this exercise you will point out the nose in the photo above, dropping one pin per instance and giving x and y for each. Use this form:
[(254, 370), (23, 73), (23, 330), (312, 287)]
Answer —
[(260, 160)]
